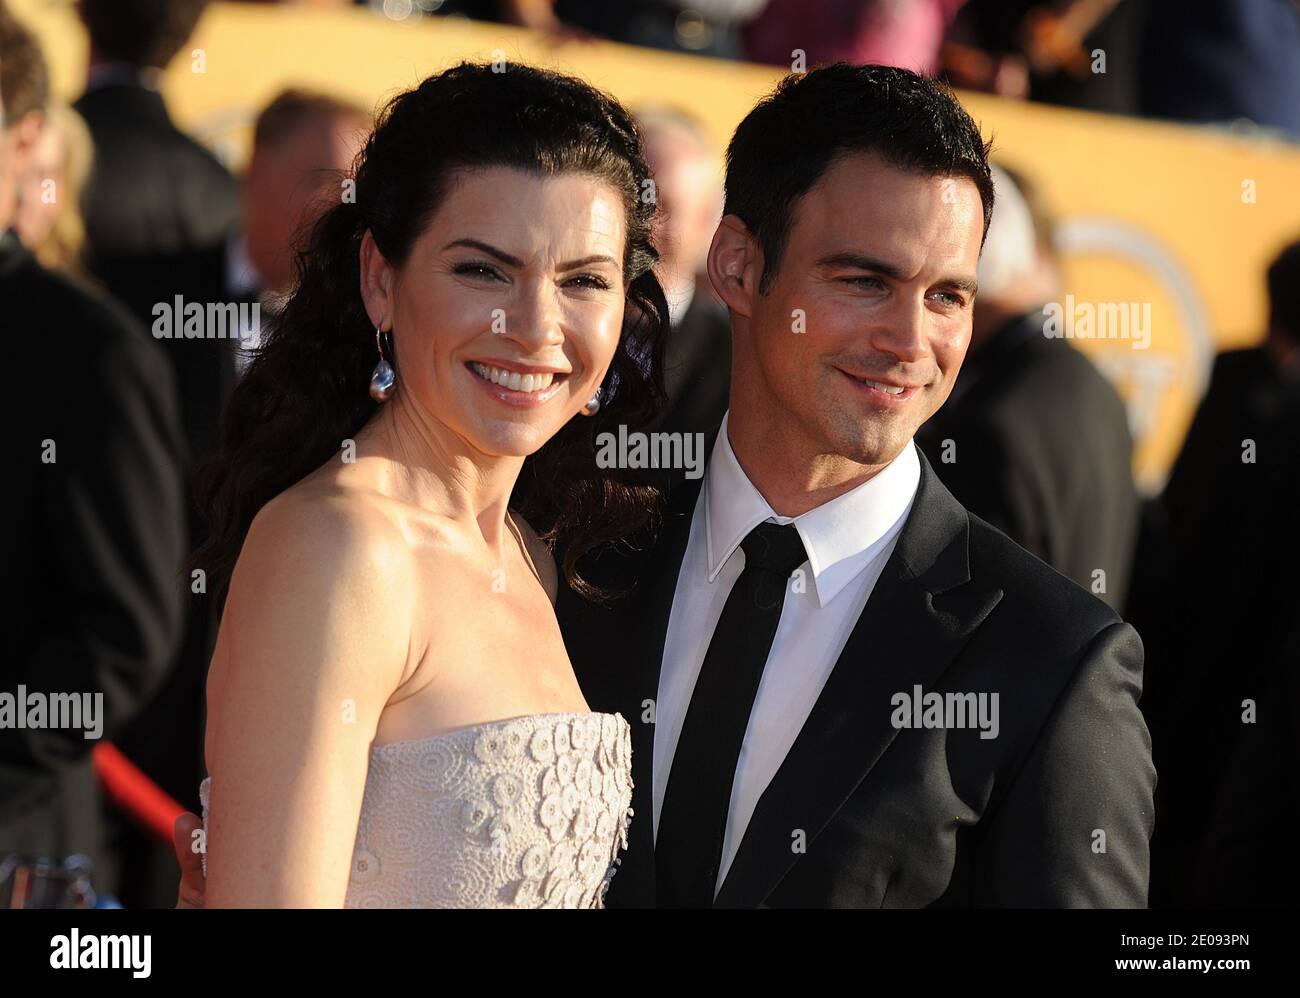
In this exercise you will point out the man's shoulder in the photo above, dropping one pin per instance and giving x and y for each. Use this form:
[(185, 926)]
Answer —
[(1044, 605)]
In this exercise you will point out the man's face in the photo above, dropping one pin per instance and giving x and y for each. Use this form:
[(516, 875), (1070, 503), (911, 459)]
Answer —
[(689, 198), (289, 186), (862, 331)]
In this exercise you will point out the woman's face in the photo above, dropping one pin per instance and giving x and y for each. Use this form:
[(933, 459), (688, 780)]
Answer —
[(507, 313), (39, 205)]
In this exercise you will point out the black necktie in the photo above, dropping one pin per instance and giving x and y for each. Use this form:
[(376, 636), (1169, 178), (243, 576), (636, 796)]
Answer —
[(693, 819)]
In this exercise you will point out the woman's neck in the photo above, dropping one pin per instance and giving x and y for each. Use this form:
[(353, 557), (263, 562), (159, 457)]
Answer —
[(425, 463)]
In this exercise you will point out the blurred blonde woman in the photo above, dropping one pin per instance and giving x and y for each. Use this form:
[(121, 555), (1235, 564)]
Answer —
[(49, 219)]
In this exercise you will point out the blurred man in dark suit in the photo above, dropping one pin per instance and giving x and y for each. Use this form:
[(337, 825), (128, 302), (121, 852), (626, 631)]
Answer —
[(96, 537), (157, 202), (1245, 391), (1247, 858), (1232, 601), (698, 363), (1034, 439), (159, 209)]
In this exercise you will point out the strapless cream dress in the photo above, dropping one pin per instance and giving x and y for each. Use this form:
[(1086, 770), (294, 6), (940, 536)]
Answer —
[(524, 812)]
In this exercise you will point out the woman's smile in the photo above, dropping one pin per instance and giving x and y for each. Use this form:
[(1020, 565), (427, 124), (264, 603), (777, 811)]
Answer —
[(524, 387)]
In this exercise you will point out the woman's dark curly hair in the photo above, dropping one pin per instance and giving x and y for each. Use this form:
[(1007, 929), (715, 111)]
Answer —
[(306, 389)]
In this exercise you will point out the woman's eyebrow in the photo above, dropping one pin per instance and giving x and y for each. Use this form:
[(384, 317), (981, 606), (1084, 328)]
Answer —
[(587, 261), (490, 250), (514, 261)]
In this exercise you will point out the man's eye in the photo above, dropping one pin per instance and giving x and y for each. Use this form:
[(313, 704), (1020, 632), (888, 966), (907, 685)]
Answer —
[(865, 282), (951, 297)]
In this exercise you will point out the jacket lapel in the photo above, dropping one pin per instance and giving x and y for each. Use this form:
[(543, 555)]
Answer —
[(921, 612)]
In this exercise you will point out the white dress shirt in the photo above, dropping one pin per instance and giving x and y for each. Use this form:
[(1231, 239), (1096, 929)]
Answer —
[(848, 540), (679, 302)]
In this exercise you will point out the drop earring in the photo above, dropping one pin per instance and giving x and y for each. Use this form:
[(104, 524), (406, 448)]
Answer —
[(383, 379), (593, 405)]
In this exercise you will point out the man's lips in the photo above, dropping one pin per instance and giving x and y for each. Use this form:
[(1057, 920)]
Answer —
[(887, 389)]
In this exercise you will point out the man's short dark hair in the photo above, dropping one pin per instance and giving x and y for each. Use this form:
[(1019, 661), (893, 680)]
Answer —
[(791, 137), (1284, 291), (24, 81), (281, 118), (140, 32)]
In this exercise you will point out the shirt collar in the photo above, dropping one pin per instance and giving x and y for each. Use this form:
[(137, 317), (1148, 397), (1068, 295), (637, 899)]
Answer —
[(841, 536), (679, 303)]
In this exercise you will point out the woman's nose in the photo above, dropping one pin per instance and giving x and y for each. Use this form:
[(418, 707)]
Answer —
[(535, 318)]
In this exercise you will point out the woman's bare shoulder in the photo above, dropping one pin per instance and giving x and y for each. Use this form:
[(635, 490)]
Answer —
[(319, 556), (321, 524)]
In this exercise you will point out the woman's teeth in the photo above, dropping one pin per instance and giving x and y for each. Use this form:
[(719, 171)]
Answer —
[(513, 380)]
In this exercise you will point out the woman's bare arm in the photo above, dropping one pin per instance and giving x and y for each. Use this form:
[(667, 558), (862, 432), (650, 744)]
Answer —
[(314, 641)]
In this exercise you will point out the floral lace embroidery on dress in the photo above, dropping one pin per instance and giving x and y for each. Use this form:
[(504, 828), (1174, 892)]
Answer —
[(526, 812)]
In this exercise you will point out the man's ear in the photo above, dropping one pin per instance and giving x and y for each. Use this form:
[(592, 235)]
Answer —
[(377, 282), (735, 265)]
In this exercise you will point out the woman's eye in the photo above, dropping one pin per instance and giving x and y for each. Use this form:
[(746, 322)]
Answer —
[(484, 271), (589, 281)]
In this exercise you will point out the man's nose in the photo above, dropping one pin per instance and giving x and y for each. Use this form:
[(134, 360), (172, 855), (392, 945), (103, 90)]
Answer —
[(903, 330)]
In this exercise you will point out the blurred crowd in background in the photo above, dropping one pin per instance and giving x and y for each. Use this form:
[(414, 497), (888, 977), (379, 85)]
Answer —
[(1206, 571), (1213, 61)]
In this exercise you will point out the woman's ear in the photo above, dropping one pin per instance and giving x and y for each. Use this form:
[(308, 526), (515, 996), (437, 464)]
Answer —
[(377, 282), (735, 264)]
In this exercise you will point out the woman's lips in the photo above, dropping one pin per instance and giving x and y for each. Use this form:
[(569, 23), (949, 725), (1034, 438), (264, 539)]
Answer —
[(526, 394)]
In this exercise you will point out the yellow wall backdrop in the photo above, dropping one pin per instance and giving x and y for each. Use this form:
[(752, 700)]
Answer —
[(1183, 221)]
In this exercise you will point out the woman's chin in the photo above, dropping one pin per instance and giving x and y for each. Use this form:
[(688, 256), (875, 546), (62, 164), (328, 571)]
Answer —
[(513, 439)]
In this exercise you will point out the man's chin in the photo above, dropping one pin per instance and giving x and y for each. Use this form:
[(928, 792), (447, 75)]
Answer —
[(872, 448)]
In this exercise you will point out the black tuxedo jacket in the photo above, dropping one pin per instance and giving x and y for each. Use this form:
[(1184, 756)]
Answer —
[(1056, 811), (158, 209), (93, 546)]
